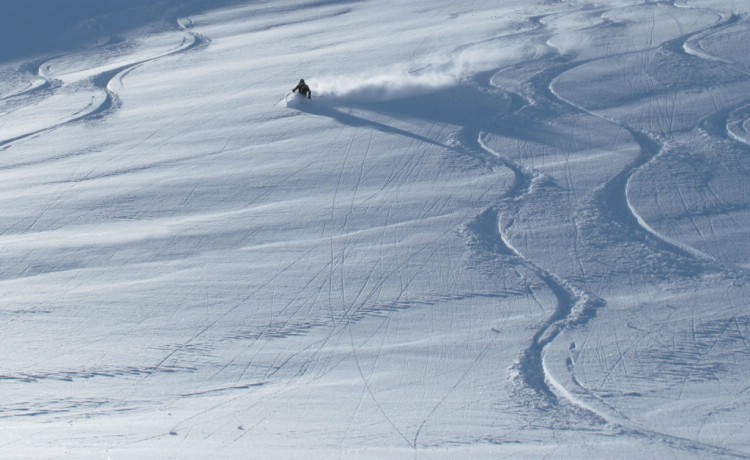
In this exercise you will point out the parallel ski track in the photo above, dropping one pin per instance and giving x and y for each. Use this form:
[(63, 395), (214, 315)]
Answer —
[(531, 366), (102, 82)]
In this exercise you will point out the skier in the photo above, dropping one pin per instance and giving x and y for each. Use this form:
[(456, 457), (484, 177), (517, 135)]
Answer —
[(303, 89)]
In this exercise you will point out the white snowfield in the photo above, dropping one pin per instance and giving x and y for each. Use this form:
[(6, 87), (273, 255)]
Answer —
[(499, 229)]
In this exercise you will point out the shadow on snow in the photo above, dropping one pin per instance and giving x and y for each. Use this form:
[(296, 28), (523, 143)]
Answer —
[(35, 27)]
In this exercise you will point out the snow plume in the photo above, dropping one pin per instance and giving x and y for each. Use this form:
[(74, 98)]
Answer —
[(392, 84), (439, 72)]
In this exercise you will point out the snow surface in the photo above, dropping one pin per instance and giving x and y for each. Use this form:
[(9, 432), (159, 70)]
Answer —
[(500, 229)]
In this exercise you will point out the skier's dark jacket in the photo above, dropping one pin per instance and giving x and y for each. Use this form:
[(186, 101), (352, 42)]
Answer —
[(303, 89)]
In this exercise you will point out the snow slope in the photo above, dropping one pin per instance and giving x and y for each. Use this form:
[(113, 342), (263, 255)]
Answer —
[(500, 229)]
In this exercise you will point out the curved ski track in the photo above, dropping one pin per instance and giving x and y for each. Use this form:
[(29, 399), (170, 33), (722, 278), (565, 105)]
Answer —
[(43, 86), (575, 304)]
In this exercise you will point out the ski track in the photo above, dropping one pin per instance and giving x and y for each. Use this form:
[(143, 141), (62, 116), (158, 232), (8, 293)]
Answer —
[(575, 304), (101, 82), (614, 194), (38, 83)]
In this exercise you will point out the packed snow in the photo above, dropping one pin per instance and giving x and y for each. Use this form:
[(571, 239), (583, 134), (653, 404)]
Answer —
[(499, 229)]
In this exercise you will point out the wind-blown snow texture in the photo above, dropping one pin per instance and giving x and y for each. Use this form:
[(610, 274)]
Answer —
[(500, 229)]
